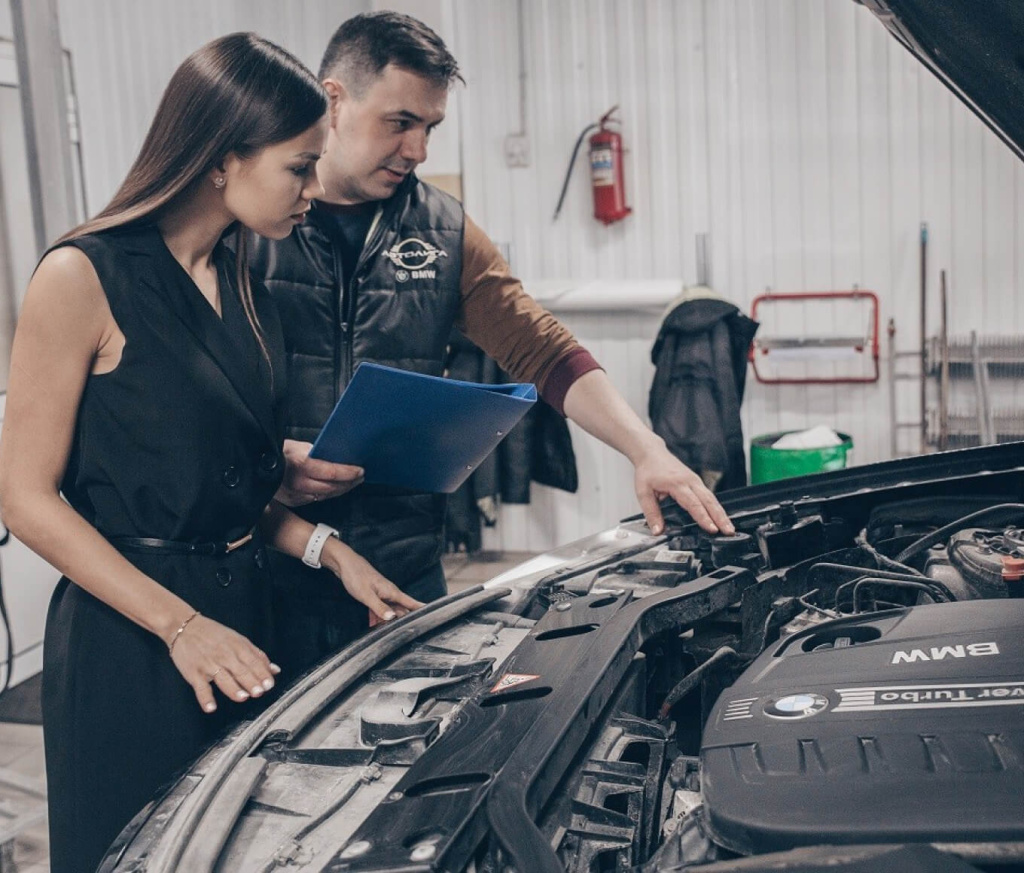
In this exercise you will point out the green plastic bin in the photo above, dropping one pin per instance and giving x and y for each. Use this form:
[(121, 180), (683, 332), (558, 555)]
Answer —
[(768, 464)]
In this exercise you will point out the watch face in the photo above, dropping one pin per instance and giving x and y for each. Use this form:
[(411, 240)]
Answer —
[(794, 706)]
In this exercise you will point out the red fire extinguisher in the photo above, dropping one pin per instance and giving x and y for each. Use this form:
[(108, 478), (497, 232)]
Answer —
[(607, 179)]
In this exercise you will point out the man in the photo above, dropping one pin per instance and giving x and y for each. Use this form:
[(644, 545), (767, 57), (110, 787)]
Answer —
[(381, 270)]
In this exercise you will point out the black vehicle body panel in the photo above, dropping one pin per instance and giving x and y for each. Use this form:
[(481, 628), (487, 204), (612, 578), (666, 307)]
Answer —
[(974, 48)]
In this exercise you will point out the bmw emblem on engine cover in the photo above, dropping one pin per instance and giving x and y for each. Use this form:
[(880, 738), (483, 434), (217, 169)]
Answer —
[(796, 706)]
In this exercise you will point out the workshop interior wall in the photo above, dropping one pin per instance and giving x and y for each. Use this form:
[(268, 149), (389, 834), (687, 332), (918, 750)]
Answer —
[(798, 135), (124, 52)]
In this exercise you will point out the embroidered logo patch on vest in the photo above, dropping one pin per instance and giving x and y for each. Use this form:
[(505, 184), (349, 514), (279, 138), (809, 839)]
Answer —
[(412, 257)]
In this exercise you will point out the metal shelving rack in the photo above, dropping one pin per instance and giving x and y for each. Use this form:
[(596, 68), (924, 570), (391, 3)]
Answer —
[(905, 366), (977, 377)]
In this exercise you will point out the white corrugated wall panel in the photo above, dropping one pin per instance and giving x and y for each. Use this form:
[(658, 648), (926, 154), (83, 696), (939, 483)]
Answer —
[(798, 134), (124, 52)]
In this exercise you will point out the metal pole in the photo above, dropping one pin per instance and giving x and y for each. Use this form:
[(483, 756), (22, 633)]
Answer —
[(703, 260), (983, 406), (892, 388), (44, 103), (924, 336), (8, 296), (944, 364)]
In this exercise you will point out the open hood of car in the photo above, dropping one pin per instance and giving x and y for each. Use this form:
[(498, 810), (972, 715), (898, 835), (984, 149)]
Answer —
[(976, 48)]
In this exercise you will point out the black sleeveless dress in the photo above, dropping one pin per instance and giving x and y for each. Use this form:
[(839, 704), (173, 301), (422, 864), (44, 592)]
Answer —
[(179, 442)]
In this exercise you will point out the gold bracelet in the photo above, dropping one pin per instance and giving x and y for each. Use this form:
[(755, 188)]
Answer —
[(178, 632)]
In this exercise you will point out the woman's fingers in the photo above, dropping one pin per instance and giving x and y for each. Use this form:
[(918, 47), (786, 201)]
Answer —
[(203, 684), (239, 681), (250, 669), (378, 607), (399, 604), (402, 602), (230, 686), (204, 694), (395, 613), (215, 655), (265, 658), (254, 673)]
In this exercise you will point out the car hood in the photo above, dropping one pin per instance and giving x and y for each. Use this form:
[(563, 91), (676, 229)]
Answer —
[(974, 48)]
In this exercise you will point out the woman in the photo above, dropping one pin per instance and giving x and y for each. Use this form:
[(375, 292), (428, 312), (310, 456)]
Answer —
[(144, 377)]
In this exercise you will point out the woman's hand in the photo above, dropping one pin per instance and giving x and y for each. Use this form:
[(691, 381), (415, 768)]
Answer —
[(208, 653), (288, 533), (308, 479), (384, 599)]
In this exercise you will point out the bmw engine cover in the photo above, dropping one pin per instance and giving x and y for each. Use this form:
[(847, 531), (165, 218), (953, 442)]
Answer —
[(906, 725)]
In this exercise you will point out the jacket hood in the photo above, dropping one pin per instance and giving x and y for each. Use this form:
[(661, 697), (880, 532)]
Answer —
[(697, 316)]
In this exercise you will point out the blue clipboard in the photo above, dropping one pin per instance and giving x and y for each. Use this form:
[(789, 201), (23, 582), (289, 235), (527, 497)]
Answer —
[(424, 433)]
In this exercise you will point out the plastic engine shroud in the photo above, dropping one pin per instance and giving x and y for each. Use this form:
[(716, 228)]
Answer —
[(906, 725)]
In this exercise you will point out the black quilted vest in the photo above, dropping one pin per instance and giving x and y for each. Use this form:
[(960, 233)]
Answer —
[(398, 309)]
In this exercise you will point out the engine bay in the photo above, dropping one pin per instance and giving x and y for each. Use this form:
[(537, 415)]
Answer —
[(839, 685)]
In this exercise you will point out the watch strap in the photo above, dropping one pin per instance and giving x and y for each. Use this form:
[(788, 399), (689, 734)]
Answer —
[(315, 545)]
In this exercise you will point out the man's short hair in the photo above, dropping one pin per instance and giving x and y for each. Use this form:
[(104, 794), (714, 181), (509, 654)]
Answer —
[(364, 45)]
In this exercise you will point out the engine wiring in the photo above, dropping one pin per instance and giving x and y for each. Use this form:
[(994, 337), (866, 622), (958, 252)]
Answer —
[(805, 602), (884, 560), (888, 576), (859, 584), (1013, 510)]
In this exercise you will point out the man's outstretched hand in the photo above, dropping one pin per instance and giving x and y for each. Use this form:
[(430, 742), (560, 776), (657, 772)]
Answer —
[(659, 474)]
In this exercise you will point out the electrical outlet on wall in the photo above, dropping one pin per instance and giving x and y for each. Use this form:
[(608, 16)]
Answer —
[(517, 150)]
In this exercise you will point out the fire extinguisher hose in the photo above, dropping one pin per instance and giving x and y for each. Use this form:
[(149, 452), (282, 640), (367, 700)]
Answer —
[(572, 163), (576, 150)]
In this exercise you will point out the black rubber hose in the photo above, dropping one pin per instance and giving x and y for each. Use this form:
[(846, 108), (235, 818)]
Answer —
[(871, 580), (690, 680), (5, 619), (943, 533), (888, 575)]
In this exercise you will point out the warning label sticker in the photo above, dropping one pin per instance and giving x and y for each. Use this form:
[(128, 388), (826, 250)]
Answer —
[(511, 680)]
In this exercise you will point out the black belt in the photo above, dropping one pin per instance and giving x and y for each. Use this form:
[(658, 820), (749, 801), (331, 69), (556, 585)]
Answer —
[(177, 547)]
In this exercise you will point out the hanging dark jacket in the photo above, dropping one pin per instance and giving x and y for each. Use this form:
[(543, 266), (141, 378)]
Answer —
[(538, 449), (700, 359)]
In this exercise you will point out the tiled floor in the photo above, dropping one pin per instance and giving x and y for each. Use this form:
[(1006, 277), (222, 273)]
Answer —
[(21, 745), (21, 754)]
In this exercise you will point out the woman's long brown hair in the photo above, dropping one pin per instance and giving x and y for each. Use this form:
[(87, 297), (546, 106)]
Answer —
[(236, 94)]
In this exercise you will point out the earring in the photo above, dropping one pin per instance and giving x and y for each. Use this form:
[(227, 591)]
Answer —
[(219, 182)]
